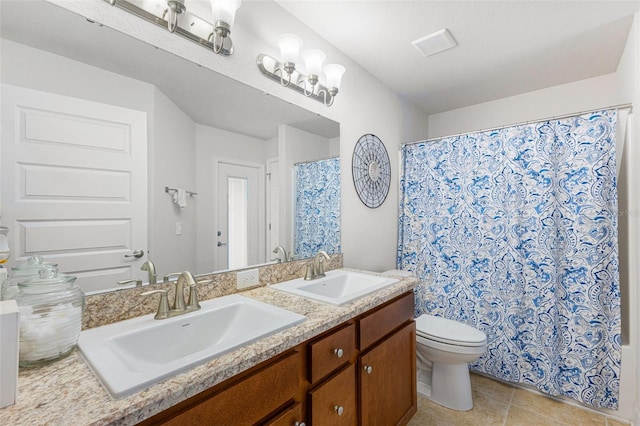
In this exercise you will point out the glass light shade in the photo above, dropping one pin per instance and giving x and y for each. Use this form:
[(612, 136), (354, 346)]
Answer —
[(290, 45), (313, 60), (200, 9), (225, 10), (333, 73)]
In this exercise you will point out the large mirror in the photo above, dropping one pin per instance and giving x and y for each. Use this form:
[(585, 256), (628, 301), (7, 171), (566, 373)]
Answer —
[(115, 152)]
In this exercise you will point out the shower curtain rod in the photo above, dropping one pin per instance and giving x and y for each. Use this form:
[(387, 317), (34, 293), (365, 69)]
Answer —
[(317, 159), (628, 106)]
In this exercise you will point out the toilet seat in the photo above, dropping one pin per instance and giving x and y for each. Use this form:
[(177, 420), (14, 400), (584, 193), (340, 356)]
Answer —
[(449, 332)]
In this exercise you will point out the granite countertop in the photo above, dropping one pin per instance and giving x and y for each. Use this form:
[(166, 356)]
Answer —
[(67, 392)]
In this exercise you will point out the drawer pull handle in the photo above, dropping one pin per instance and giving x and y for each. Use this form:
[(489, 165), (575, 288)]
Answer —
[(339, 410), (299, 424), (338, 352), (368, 369)]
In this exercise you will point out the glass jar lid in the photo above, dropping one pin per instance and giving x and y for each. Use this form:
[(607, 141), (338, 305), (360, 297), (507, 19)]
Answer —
[(32, 266), (46, 276)]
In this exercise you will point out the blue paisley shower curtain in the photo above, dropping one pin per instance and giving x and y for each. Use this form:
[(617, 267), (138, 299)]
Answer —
[(317, 207), (515, 233)]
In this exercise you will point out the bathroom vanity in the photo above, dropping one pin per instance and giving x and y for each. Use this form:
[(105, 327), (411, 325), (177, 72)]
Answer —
[(349, 364), (361, 369)]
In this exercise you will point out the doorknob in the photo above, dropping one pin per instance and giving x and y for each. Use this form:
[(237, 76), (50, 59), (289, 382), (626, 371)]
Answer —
[(220, 244), (137, 254)]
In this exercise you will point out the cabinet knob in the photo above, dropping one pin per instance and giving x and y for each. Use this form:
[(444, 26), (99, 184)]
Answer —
[(339, 409), (368, 369), (299, 424), (338, 352)]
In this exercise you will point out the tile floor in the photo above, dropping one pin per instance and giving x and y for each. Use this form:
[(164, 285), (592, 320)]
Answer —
[(496, 403)]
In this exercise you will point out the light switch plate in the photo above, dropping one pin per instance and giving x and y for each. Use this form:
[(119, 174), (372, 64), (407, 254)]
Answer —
[(247, 278)]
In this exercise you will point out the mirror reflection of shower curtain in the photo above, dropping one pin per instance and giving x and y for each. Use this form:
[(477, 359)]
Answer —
[(515, 232), (317, 207)]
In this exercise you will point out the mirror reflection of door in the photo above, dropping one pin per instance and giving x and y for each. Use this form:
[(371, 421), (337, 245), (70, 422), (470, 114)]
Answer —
[(73, 184), (240, 215), (273, 206)]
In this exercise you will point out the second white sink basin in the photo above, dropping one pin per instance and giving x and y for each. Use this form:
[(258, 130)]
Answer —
[(130, 355), (337, 287)]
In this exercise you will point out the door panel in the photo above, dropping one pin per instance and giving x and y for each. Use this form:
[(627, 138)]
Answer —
[(74, 184), (247, 222), (273, 206)]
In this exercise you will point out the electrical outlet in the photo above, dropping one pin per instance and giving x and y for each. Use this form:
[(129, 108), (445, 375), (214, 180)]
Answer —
[(247, 278), (178, 228)]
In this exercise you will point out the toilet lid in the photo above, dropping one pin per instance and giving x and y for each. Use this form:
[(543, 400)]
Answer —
[(448, 331)]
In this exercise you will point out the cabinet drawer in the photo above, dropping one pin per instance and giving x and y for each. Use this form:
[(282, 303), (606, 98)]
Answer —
[(334, 402), (246, 402), (331, 352), (377, 324), (289, 417)]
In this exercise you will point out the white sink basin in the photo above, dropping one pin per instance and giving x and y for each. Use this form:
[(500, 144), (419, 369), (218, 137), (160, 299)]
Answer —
[(131, 355), (337, 288)]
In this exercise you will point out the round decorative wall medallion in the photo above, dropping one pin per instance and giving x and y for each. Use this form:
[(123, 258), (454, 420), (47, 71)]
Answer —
[(371, 170)]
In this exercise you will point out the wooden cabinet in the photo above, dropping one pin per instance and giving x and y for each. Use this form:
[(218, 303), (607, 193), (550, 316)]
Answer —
[(289, 417), (256, 395), (331, 352), (376, 324), (362, 372), (388, 379), (334, 402)]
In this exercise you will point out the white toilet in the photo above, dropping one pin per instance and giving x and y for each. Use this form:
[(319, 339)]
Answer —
[(444, 349)]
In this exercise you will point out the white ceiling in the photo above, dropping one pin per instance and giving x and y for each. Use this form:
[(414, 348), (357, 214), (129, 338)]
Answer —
[(504, 47)]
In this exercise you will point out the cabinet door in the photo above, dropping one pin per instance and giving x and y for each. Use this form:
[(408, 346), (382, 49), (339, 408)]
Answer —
[(388, 380), (244, 403), (289, 417), (333, 403)]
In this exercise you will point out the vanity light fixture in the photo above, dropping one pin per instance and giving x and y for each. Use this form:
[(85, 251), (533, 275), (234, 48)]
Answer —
[(205, 22), (287, 73)]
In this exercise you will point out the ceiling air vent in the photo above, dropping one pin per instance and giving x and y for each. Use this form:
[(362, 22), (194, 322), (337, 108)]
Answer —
[(435, 43)]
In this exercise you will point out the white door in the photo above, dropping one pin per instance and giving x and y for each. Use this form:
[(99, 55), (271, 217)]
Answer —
[(74, 184), (239, 215), (273, 206)]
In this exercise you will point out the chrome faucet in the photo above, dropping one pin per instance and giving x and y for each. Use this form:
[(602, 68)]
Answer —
[(315, 268), (179, 306), (283, 252), (151, 269)]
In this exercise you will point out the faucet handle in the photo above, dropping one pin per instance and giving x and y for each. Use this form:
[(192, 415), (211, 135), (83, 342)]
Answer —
[(168, 277), (163, 306), (193, 297), (138, 282)]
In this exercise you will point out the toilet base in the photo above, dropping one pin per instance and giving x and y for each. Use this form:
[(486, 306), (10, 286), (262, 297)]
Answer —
[(451, 386)]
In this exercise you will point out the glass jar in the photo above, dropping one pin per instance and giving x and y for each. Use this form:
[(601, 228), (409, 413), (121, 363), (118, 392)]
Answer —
[(51, 308), (5, 252), (22, 273)]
